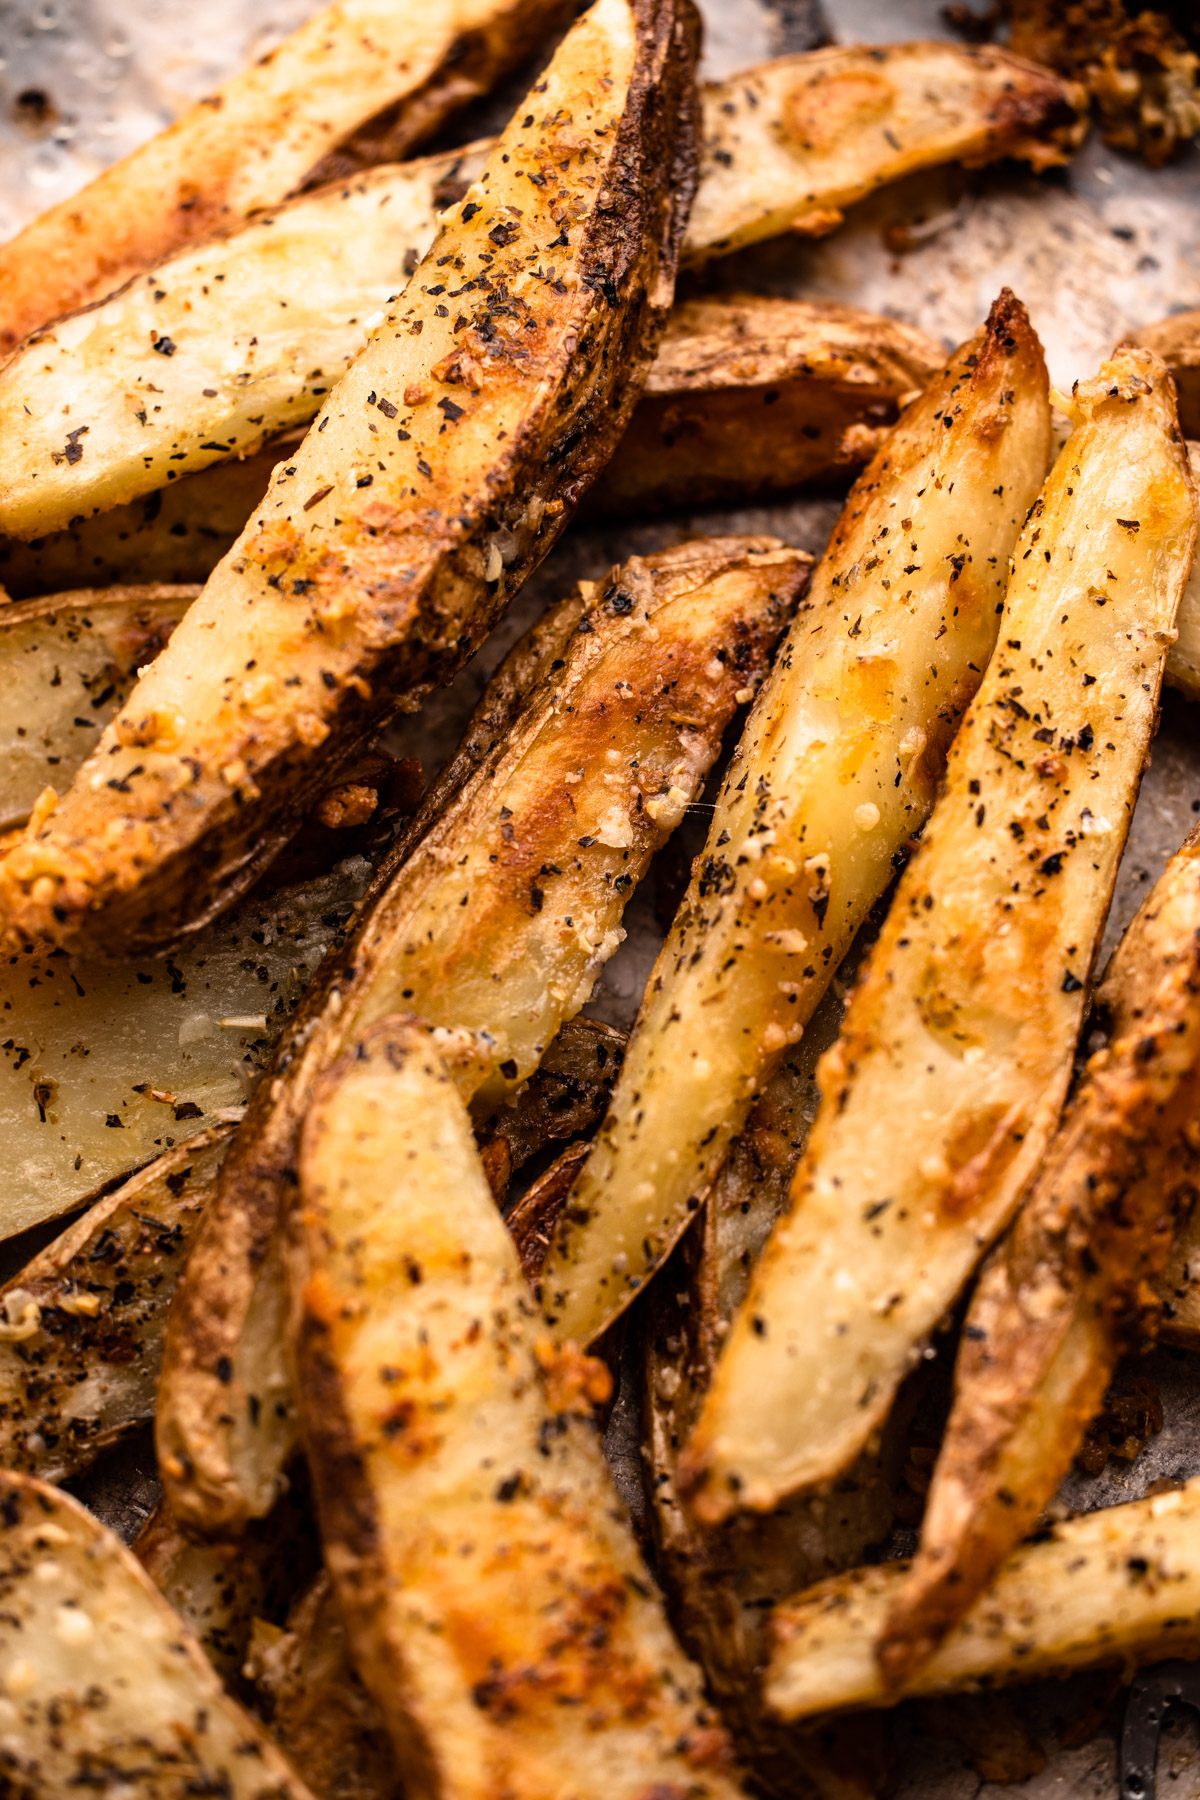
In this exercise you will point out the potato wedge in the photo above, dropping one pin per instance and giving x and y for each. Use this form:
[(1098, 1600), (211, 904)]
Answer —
[(1118, 1586), (589, 774), (789, 145), (567, 1094), (1064, 1294), (838, 765), (66, 665), (492, 1591), (176, 535), (255, 329), (751, 396), (1183, 662), (1177, 341), (261, 136), (221, 1591), (321, 1715), (941, 1095), (106, 1686), (81, 1338), (364, 581), (102, 1068)]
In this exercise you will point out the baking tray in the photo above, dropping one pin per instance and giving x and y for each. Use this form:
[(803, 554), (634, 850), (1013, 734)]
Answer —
[(1095, 250)]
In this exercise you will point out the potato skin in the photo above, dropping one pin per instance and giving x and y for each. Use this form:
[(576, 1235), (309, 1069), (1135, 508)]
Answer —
[(356, 588), (593, 768), (492, 1591), (1177, 341), (259, 138), (1065, 1293), (944, 1090)]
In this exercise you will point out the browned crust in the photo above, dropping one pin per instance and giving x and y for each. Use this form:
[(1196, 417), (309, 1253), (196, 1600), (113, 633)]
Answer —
[(1096, 1226), (1177, 341)]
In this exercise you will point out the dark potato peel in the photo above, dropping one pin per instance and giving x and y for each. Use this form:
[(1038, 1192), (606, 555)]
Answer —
[(441, 471)]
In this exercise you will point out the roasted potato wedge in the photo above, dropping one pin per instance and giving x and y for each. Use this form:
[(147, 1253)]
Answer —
[(1064, 1294), (321, 1715), (1121, 1586), (940, 1097), (1177, 341), (1183, 662), (66, 665), (176, 535), (81, 1337), (106, 1686), (495, 924), (838, 765), (494, 1598), (102, 1067), (363, 581), (255, 329), (261, 136), (789, 145), (221, 1591), (567, 1094), (751, 396)]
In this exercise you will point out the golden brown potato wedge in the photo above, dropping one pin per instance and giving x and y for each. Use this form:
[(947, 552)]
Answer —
[(944, 1089), (1065, 1293), (838, 765), (494, 923), (1177, 341), (1183, 663), (102, 1068), (750, 396), (176, 535), (66, 665), (261, 136), (1121, 1586), (789, 145), (442, 469), (255, 328), (494, 1598), (106, 1686), (81, 1336), (320, 1714)]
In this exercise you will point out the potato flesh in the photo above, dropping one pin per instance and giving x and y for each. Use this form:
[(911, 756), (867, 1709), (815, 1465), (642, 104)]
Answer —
[(1121, 1585), (87, 1044), (344, 600), (588, 777), (943, 1091), (1054, 1306), (270, 128), (497, 1607), (65, 666), (838, 765), (107, 1687), (81, 1337), (788, 145), (256, 330)]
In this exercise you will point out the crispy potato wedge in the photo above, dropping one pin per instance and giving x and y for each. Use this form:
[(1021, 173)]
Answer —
[(494, 1598), (320, 1714), (544, 840), (1121, 1586), (105, 1685), (567, 1094), (66, 664), (1063, 1295), (789, 145), (176, 535), (255, 328), (940, 1097), (81, 1337), (722, 1581), (221, 1591), (838, 765), (1177, 341), (751, 396), (102, 1068), (363, 581), (261, 136)]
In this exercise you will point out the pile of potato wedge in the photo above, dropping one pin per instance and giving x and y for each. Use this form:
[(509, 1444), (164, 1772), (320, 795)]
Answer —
[(332, 1178)]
